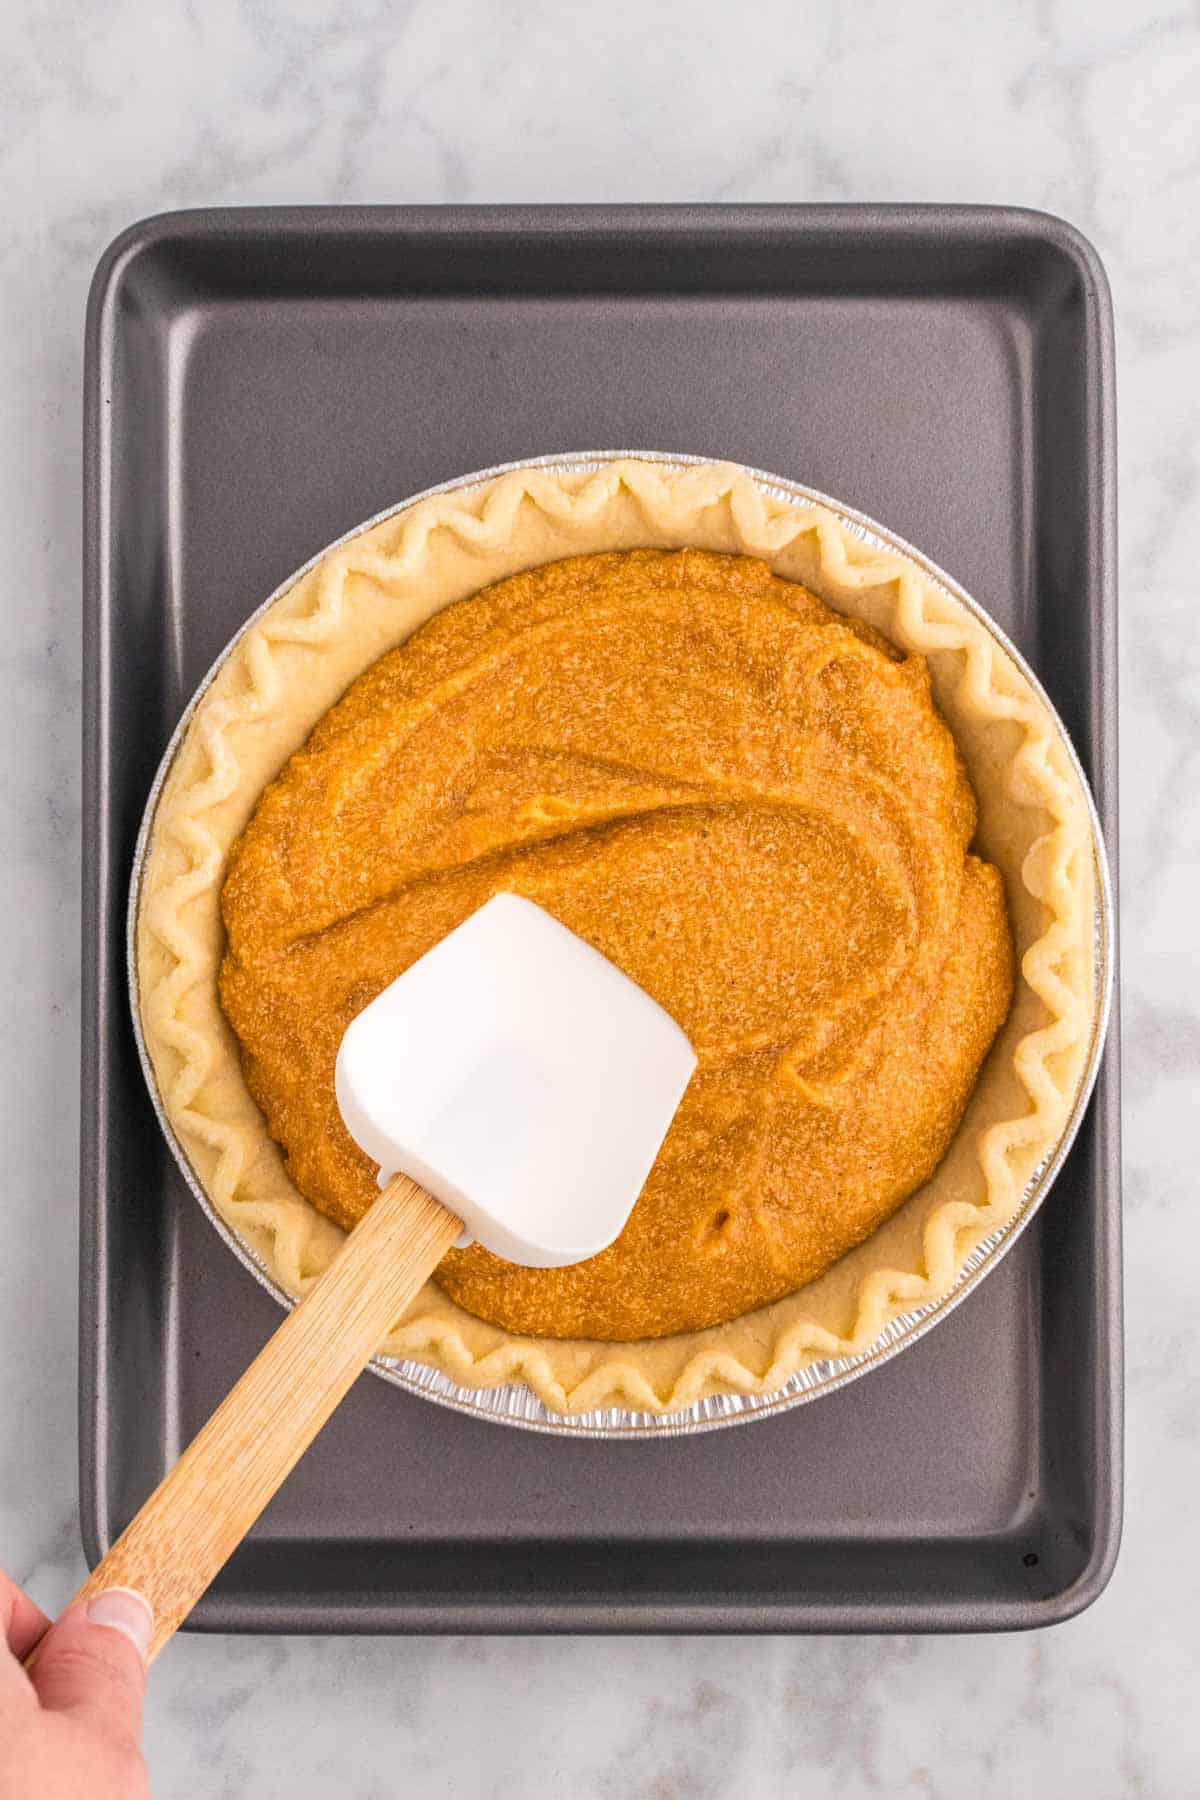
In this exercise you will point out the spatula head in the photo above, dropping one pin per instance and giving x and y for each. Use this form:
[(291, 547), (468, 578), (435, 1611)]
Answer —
[(521, 1078)]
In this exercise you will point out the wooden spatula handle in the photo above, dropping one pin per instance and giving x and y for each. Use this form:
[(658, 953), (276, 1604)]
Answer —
[(200, 1512)]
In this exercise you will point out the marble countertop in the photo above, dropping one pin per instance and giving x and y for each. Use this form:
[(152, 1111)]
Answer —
[(1084, 107)]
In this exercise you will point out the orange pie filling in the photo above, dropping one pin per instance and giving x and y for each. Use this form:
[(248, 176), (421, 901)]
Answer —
[(746, 801)]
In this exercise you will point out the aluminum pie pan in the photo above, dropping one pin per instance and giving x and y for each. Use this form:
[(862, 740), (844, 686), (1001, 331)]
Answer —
[(514, 1403)]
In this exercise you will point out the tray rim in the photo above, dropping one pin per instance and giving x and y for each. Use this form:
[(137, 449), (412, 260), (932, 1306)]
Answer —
[(1020, 227)]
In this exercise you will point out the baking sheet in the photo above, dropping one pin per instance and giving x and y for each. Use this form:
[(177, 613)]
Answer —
[(252, 380)]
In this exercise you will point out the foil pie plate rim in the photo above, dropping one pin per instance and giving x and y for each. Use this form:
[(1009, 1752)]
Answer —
[(514, 1403)]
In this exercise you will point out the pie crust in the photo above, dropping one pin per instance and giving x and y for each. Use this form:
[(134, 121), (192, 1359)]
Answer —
[(295, 660)]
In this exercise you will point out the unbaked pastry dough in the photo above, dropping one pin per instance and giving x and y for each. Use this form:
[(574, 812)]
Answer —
[(369, 594)]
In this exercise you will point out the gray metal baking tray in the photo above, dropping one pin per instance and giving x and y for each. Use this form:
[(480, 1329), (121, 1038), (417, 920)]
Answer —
[(259, 381)]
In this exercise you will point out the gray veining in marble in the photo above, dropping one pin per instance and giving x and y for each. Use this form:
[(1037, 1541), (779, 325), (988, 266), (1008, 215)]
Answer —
[(111, 109)]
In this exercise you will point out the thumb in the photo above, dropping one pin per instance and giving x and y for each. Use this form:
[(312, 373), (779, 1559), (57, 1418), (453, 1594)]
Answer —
[(92, 1663)]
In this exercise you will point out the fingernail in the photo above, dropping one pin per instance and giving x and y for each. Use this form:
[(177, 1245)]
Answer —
[(125, 1610)]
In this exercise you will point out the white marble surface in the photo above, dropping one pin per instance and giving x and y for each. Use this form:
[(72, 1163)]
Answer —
[(111, 109)]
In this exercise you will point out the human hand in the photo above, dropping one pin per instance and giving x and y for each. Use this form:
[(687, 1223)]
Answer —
[(72, 1727)]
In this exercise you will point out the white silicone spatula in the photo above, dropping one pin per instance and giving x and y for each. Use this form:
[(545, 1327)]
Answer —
[(514, 1086)]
